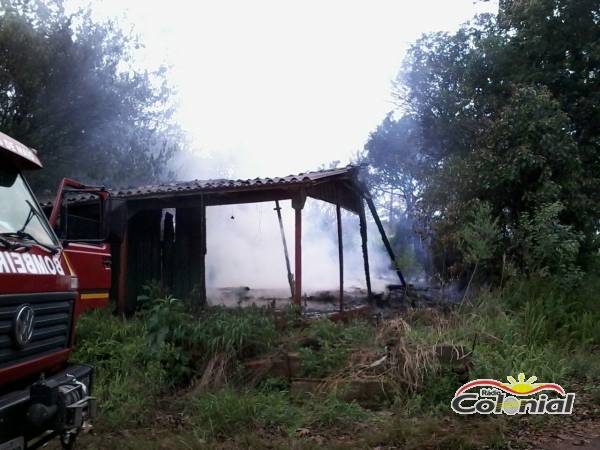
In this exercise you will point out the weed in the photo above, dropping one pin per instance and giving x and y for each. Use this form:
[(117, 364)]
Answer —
[(332, 411), (335, 343), (277, 384), (450, 433), (433, 396), (585, 366), (236, 332), (229, 412), (318, 363), (129, 371), (232, 412)]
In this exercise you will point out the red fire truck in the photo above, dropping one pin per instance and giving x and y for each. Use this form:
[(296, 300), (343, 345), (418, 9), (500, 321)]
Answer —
[(45, 284)]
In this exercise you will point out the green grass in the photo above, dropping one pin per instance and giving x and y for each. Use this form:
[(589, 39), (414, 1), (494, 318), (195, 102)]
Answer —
[(141, 358), (440, 433), (214, 330), (230, 412), (130, 372), (236, 332), (335, 343), (529, 326)]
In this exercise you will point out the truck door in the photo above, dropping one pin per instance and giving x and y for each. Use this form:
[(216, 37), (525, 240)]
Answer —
[(82, 230)]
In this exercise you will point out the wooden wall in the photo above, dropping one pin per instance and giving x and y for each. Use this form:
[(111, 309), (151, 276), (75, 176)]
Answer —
[(144, 254), (175, 257), (190, 254)]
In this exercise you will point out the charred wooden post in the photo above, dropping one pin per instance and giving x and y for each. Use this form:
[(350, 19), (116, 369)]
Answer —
[(384, 238), (298, 257), (338, 213), (201, 290), (285, 249), (168, 249), (298, 204), (190, 251), (365, 250)]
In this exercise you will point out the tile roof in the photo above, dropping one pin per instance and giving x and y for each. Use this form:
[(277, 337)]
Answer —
[(219, 185)]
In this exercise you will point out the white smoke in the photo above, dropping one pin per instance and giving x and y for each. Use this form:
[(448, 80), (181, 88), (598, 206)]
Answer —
[(244, 246)]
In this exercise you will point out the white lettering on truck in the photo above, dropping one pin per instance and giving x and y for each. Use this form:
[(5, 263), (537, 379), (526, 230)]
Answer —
[(29, 265), (39, 264), (58, 265), (18, 260), (13, 262)]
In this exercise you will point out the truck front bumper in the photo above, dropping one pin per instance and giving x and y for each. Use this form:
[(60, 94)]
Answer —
[(58, 403)]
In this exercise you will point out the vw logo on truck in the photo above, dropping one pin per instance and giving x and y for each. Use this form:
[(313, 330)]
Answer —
[(23, 325)]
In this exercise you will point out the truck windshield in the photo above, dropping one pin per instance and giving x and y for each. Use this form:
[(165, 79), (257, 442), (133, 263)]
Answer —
[(20, 215)]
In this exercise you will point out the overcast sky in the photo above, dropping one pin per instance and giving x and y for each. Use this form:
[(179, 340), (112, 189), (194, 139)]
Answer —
[(272, 87)]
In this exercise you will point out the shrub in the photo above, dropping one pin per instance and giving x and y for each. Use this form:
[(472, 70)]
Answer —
[(335, 341), (246, 331), (318, 363), (214, 330), (408, 263), (129, 370), (548, 247), (479, 237)]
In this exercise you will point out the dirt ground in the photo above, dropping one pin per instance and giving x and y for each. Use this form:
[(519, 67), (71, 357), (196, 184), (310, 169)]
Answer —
[(582, 436)]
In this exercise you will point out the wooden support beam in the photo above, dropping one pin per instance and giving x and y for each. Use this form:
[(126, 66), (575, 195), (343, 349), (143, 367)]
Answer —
[(384, 238), (338, 213), (298, 203), (365, 250), (298, 258), (285, 249)]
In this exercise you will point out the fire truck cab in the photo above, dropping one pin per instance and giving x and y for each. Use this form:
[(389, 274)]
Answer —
[(45, 284)]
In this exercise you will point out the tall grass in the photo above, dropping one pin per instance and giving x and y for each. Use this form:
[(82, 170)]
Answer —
[(162, 348), (229, 412), (334, 344), (530, 326), (130, 372)]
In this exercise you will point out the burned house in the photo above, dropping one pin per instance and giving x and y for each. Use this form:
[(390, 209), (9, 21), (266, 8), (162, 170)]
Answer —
[(159, 232)]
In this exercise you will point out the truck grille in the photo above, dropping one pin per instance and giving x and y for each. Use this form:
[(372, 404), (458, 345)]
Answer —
[(52, 325)]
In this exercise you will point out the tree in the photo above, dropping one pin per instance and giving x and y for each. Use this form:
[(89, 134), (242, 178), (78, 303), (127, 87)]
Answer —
[(393, 154), (69, 88), (393, 151), (506, 113)]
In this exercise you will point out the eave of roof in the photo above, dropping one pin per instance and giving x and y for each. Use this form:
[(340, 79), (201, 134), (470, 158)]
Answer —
[(230, 185), (225, 185)]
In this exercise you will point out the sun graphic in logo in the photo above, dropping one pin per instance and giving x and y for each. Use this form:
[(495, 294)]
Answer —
[(522, 387)]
